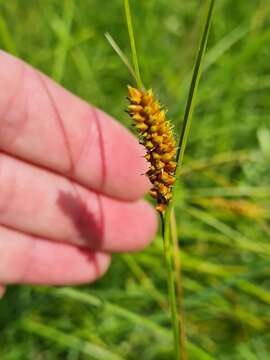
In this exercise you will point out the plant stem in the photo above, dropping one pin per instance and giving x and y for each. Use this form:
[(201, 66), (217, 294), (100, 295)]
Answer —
[(168, 257), (179, 286), (132, 44)]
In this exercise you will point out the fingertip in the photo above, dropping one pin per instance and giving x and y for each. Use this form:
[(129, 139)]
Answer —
[(147, 226), (132, 173), (127, 165), (90, 267), (71, 265), (104, 261), (129, 226)]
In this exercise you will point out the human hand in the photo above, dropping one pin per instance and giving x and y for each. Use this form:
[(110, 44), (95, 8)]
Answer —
[(70, 183)]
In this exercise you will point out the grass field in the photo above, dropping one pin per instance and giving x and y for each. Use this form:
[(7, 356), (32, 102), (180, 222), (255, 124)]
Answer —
[(222, 207)]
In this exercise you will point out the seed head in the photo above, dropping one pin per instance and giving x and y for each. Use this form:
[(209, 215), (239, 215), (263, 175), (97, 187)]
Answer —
[(156, 135)]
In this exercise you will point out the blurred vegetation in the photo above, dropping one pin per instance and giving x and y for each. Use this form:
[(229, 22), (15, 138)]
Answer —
[(223, 206)]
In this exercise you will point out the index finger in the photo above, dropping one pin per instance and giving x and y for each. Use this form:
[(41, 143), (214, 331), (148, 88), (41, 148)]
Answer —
[(42, 123)]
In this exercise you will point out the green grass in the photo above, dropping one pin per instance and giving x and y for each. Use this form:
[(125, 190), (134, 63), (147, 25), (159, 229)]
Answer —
[(225, 251)]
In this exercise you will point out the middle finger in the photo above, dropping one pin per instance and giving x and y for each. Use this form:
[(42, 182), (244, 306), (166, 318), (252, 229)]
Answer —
[(48, 205)]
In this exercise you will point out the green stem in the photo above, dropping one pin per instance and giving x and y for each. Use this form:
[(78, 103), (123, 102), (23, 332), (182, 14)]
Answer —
[(168, 257), (179, 286), (132, 44)]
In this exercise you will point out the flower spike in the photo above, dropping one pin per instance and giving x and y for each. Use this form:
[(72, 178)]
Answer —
[(155, 133)]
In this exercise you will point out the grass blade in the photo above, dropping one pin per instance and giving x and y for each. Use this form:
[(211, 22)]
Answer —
[(132, 44), (68, 341), (120, 53), (194, 87), (162, 334)]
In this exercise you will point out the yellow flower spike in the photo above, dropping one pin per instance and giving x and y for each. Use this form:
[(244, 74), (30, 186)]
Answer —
[(164, 177), (170, 166), (153, 128), (149, 145), (168, 156), (163, 189), (168, 196), (133, 109), (153, 108), (159, 165), (161, 207), (152, 169), (155, 133), (160, 117), (147, 157), (135, 95), (141, 127), (138, 118), (158, 139), (163, 128), (156, 156), (154, 193), (163, 148), (170, 181), (147, 98)]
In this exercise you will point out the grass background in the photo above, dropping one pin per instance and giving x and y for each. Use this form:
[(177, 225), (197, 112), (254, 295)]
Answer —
[(222, 209)]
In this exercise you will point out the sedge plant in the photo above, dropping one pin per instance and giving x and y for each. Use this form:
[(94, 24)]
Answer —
[(165, 158)]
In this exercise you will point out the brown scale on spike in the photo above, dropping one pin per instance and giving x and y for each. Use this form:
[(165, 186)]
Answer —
[(156, 135)]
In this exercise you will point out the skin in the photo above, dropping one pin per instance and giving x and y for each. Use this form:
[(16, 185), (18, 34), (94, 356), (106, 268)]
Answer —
[(70, 183)]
